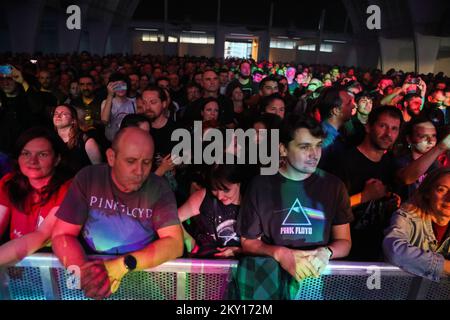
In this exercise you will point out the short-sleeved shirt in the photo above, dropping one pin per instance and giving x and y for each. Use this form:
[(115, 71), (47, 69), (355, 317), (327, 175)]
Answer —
[(294, 214), (115, 222), (28, 220)]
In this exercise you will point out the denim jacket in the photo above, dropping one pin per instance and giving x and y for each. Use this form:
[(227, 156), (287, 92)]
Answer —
[(410, 244)]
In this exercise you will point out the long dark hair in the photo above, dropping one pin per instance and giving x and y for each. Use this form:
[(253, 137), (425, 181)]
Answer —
[(19, 187)]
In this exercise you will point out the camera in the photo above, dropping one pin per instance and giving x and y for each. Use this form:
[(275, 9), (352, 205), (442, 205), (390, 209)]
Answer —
[(414, 81)]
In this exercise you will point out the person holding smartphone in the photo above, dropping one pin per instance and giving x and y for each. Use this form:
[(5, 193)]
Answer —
[(116, 105)]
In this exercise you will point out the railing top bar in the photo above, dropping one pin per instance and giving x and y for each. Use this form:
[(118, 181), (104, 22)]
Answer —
[(200, 265)]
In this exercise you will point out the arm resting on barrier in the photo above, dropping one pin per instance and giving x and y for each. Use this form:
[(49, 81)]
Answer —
[(410, 257), (17, 249), (297, 262)]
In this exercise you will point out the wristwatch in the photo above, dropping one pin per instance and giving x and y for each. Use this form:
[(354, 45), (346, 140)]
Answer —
[(130, 262)]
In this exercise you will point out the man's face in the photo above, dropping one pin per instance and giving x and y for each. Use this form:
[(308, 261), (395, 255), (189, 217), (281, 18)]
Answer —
[(223, 77), (163, 84), (8, 85), (174, 80), (131, 165), (134, 82), (423, 137), (385, 83), (210, 81), (45, 80), (303, 152), (365, 105), (384, 132), (414, 105), (348, 104), (276, 107), (257, 77), (441, 86), (290, 73), (86, 87), (193, 93), (152, 105), (270, 87), (64, 80), (245, 70)]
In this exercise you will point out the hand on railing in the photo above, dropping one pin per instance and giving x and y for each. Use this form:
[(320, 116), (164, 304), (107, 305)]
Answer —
[(94, 280)]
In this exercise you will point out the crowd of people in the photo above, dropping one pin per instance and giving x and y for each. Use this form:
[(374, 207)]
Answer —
[(86, 165)]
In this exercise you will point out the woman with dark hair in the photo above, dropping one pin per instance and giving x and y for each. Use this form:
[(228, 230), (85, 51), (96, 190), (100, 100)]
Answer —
[(32, 193), (83, 150), (213, 213), (418, 239), (136, 120), (235, 93)]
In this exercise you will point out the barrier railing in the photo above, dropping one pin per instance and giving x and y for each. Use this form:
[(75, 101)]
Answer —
[(41, 277)]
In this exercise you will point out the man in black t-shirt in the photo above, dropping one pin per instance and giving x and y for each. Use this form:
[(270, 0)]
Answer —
[(120, 209), (300, 216), (368, 171)]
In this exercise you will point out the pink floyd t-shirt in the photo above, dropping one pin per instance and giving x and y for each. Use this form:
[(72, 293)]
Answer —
[(115, 222), (294, 214)]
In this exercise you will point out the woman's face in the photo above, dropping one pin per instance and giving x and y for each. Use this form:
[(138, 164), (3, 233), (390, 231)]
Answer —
[(62, 117), (229, 195), (423, 137), (237, 95), (74, 89), (258, 126), (440, 197), (211, 111), (37, 159)]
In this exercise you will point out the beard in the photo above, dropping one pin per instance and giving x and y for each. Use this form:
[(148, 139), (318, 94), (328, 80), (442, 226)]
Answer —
[(245, 77)]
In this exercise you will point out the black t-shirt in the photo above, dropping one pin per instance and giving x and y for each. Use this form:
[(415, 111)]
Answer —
[(294, 214), (162, 138), (215, 226), (372, 217)]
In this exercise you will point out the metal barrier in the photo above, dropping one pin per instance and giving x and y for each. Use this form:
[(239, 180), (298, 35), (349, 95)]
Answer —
[(41, 277)]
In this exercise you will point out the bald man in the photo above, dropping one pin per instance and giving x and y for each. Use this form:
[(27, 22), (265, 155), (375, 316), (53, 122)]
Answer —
[(119, 208)]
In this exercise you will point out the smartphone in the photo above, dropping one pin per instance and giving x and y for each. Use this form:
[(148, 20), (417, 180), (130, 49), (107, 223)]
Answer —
[(120, 87), (5, 70), (414, 81), (33, 61)]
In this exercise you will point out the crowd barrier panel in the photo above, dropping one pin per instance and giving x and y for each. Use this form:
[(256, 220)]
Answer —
[(42, 277)]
